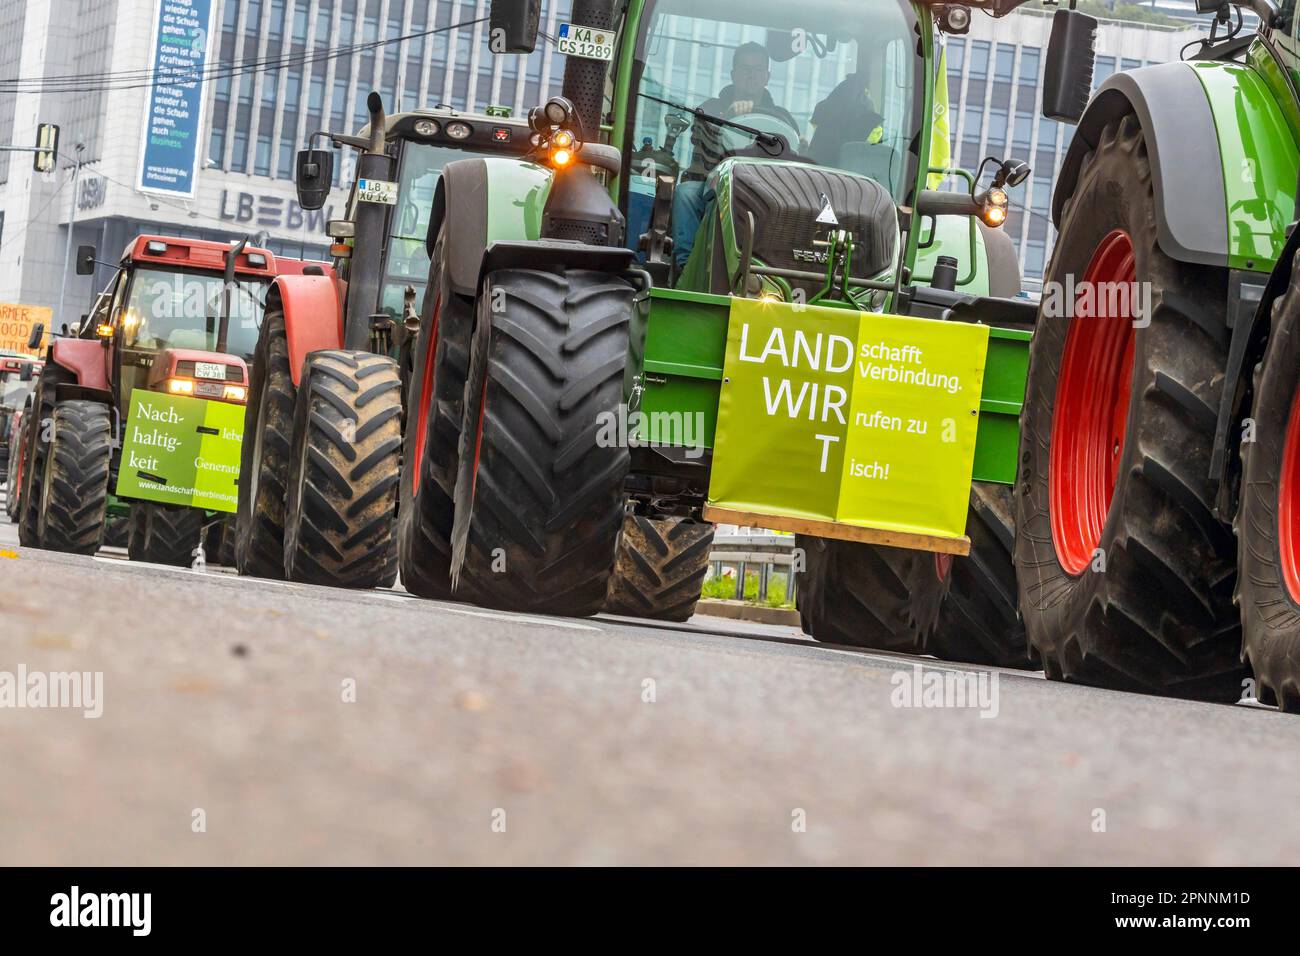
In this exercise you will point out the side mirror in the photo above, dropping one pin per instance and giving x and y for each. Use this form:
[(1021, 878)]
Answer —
[(85, 260), (512, 25), (27, 372), (314, 174), (35, 336), (1071, 53)]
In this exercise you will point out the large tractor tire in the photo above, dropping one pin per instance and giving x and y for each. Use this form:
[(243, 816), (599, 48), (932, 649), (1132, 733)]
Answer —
[(1125, 574), (1268, 522), (164, 534), (74, 483), (347, 434), (264, 459), (39, 429), (965, 608), (539, 497), (659, 568), (14, 476), (435, 406), (856, 594)]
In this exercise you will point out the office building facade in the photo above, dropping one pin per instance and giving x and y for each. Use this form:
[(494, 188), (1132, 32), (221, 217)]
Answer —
[(277, 71)]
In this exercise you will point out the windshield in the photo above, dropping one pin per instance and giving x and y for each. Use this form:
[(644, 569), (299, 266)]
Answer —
[(839, 79), (408, 261), (13, 390), (183, 310)]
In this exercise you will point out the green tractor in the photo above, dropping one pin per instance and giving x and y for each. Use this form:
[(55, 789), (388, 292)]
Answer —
[(319, 505), (801, 190), (1157, 531), (574, 419)]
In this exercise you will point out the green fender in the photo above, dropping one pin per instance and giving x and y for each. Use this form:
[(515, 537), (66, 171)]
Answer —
[(1231, 213), (482, 201)]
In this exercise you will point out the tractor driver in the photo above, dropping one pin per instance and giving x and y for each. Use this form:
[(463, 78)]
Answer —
[(745, 94)]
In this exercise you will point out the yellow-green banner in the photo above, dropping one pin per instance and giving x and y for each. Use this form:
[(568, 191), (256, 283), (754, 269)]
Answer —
[(182, 451), (836, 415)]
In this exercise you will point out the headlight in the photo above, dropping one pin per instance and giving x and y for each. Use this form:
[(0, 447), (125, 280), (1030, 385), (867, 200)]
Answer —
[(180, 386), (235, 393)]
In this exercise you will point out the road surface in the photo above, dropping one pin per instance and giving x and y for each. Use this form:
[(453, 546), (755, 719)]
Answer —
[(251, 722)]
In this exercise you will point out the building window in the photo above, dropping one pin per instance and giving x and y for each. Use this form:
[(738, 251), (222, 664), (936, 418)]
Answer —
[(1006, 57), (1103, 70), (956, 54), (1030, 57)]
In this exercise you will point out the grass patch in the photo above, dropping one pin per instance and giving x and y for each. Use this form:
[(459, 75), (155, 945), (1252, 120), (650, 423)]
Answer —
[(725, 589)]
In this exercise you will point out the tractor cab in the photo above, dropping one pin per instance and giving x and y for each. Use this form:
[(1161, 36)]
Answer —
[(392, 194), (181, 316), (826, 83)]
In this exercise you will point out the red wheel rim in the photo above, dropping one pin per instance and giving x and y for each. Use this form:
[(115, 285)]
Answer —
[(1288, 508), (1092, 402), (426, 397)]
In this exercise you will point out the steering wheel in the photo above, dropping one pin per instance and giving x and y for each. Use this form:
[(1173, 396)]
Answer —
[(736, 143)]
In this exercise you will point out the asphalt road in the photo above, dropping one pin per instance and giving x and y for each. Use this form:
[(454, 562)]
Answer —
[(483, 737)]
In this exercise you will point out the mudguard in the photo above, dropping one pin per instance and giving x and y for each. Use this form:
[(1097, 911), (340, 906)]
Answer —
[(482, 201), (313, 316), (1231, 213), (84, 358)]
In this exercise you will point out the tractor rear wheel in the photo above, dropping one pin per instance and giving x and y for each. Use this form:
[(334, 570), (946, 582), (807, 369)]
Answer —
[(855, 594), (1125, 573), (965, 608), (539, 497), (659, 567), (344, 471), (264, 459), (74, 482), (1268, 523), (164, 534), (435, 406)]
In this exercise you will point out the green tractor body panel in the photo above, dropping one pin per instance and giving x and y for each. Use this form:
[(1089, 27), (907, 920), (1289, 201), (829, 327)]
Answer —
[(680, 340), (1258, 149)]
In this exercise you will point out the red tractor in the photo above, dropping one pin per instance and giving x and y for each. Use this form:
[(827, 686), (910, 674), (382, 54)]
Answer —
[(180, 318)]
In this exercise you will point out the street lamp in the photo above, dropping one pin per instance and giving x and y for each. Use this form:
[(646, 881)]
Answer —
[(72, 225)]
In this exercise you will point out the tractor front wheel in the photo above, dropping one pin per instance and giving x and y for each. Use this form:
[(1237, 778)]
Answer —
[(347, 433), (435, 404), (74, 482), (264, 458), (1125, 573), (659, 568), (164, 534), (856, 594), (965, 608), (539, 495)]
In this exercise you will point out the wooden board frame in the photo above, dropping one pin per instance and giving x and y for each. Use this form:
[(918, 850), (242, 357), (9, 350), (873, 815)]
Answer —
[(844, 532)]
